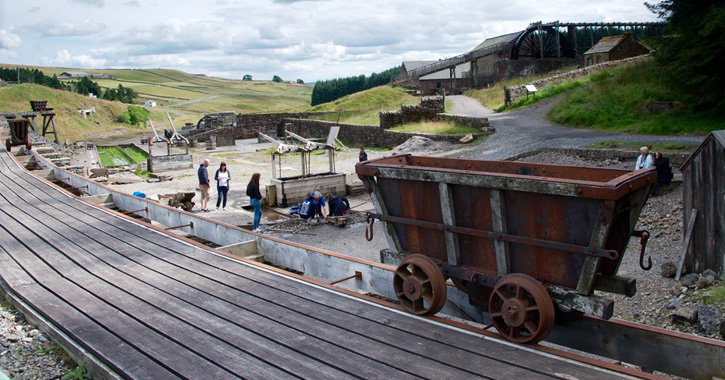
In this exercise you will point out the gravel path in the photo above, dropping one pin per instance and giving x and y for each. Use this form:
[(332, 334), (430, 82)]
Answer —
[(528, 129)]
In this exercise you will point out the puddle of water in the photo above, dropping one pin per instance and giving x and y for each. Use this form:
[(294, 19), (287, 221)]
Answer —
[(273, 216)]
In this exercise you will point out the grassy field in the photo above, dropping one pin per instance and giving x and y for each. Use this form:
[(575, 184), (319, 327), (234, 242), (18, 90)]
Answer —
[(114, 156), (364, 107), (438, 127), (493, 97), (620, 101), (70, 124), (198, 94), (136, 154)]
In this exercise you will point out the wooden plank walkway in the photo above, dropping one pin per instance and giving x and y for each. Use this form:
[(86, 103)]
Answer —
[(152, 306)]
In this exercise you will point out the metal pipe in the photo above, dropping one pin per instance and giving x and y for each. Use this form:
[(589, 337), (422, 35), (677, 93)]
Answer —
[(135, 211), (191, 224), (357, 276)]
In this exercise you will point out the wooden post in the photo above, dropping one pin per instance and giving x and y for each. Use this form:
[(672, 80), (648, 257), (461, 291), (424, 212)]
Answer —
[(686, 244)]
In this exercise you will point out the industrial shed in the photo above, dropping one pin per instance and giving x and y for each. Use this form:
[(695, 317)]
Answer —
[(703, 182)]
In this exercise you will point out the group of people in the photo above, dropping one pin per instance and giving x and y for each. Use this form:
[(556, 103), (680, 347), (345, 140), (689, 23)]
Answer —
[(315, 206), (223, 178), (659, 162)]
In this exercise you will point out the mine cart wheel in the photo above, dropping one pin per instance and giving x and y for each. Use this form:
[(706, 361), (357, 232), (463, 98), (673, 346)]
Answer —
[(521, 309), (420, 285)]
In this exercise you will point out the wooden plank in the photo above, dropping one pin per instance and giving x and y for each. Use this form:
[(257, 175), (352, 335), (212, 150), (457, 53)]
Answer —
[(449, 219), (686, 244), (498, 220)]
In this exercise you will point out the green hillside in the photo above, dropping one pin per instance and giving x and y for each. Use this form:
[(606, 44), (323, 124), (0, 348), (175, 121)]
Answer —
[(364, 107), (70, 124), (196, 94), (621, 100)]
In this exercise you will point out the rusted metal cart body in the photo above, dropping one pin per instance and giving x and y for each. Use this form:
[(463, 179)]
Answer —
[(481, 222), (18, 134)]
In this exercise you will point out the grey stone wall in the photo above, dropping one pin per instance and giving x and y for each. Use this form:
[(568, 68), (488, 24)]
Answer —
[(676, 159), (368, 135), (514, 94), (428, 108), (167, 163)]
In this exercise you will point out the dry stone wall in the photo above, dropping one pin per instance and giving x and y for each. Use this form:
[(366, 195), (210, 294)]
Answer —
[(514, 94), (428, 108)]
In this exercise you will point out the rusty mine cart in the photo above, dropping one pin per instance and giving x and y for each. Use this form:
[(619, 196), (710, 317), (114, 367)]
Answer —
[(18, 134), (525, 241)]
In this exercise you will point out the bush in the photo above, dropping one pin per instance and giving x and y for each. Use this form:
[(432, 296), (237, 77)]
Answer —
[(134, 115)]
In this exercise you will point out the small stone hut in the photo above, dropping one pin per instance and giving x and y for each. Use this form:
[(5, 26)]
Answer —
[(703, 182), (614, 48)]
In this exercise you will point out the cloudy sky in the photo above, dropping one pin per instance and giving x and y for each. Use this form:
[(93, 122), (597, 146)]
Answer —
[(305, 39)]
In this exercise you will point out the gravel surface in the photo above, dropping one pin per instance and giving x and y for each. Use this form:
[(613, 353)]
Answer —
[(25, 352)]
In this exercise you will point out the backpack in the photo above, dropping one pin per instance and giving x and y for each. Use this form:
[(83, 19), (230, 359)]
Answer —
[(307, 208)]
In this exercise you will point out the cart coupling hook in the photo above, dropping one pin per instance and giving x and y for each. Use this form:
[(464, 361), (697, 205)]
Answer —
[(369, 219), (644, 236)]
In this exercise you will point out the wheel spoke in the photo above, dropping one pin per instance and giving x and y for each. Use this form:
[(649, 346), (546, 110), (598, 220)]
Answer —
[(418, 304), (495, 315), (500, 295), (532, 308), (428, 296), (531, 327), (403, 273)]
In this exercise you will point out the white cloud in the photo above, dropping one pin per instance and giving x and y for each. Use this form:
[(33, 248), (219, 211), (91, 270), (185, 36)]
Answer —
[(95, 3), (64, 58), (34, 10), (132, 3), (9, 40), (54, 28)]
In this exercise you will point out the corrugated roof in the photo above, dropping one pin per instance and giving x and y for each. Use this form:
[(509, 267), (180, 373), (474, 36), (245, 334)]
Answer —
[(506, 38), (445, 74), (412, 65), (605, 44)]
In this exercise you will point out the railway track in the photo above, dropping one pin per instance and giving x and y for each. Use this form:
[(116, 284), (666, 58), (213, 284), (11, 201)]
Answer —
[(139, 303)]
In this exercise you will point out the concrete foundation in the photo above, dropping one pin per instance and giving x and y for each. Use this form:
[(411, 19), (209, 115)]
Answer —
[(157, 164), (295, 190)]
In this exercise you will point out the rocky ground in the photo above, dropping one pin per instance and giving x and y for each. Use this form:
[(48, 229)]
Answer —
[(660, 301), (26, 353)]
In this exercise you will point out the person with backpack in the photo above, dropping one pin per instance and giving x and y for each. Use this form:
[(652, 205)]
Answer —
[(308, 208)]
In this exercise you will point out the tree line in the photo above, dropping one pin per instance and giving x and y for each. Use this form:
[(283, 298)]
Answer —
[(84, 86), (329, 90)]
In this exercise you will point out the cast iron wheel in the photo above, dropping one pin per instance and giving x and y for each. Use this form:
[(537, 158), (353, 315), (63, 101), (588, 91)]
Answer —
[(521, 309), (420, 285)]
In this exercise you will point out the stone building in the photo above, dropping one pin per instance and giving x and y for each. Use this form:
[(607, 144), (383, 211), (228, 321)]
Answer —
[(432, 84), (406, 80), (614, 48)]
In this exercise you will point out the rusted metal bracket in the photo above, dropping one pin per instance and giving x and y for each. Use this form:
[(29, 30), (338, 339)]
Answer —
[(369, 228), (77, 187), (58, 179), (643, 237), (357, 276), (191, 224), (135, 211), (597, 252)]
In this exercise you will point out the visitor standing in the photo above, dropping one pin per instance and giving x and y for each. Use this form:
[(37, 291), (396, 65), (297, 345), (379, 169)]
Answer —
[(255, 199), (204, 185), (222, 178), (363, 155)]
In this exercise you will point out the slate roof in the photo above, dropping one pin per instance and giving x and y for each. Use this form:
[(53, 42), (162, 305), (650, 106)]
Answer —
[(506, 38), (412, 65), (445, 74), (606, 44)]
